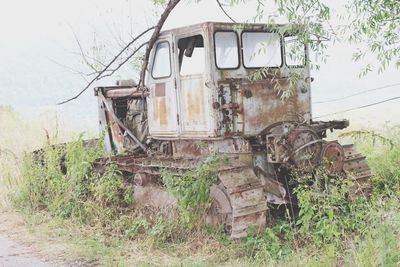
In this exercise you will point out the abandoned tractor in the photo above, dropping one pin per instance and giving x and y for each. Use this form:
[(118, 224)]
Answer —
[(198, 91)]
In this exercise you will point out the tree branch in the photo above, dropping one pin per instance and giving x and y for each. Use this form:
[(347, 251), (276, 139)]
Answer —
[(98, 76), (170, 6), (123, 62), (84, 56), (226, 13)]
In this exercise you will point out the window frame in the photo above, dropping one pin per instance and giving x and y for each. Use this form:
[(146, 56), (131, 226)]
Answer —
[(305, 53), (263, 31), (170, 59), (238, 50)]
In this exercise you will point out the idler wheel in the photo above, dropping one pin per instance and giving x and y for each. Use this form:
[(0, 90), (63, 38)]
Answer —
[(141, 179), (220, 211)]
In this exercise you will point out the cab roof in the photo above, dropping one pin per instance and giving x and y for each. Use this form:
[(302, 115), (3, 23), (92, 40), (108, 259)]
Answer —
[(222, 26)]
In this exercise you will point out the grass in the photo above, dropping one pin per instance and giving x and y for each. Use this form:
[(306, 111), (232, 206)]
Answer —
[(90, 217)]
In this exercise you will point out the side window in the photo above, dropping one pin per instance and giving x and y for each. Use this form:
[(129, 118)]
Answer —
[(261, 49), (295, 54), (162, 61), (191, 55), (226, 50)]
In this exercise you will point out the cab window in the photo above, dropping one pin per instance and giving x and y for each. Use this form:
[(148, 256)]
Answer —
[(261, 49), (162, 61), (295, 54), (226, 50)]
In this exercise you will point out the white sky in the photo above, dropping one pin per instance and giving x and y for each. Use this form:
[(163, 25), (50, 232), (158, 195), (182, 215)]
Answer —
[(36, 34)]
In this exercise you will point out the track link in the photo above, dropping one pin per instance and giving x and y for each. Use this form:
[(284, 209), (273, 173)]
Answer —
[(356, 168), (247, 199)]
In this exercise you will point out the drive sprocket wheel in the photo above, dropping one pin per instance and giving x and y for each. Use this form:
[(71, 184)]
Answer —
[(345, 161), (333, 157)]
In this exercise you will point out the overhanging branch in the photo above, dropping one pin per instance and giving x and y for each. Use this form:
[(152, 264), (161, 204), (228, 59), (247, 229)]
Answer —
[(170, 6), (100, 73), (226, 13)]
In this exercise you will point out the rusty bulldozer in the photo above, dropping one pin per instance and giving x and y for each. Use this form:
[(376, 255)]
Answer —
[(198, 90)]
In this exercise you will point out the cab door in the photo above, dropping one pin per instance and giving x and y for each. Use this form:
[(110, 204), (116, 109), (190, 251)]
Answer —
[(193, 94), (162, 103)]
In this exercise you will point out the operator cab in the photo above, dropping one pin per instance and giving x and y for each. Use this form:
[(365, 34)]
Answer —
[(199, 86)]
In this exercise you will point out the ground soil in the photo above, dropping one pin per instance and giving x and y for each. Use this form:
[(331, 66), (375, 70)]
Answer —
[(19, 247)]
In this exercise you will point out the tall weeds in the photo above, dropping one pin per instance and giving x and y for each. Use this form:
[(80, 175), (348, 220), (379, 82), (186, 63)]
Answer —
[(79, 194)]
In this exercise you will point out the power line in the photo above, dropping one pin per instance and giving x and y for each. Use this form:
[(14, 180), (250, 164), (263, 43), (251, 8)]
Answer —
[(360, 107), (356, 94)]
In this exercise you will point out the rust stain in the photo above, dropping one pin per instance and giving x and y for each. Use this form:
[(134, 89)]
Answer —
[(194, 108), (188, 149), (162, 111), (159, 89), (117, 135)]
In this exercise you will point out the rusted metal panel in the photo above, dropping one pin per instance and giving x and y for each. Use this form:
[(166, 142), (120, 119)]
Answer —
[(188, 149), (117, 135), (265, 107), (103, 123), (120, 92), (195, 91), (229, 146), (117, 93)]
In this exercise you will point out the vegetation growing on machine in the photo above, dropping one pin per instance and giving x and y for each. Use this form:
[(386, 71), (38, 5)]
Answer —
[(192, 190), (161, 141)]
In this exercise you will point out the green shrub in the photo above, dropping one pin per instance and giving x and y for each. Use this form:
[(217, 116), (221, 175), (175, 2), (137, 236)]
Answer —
[(268, 246), (192, 189), (327, 213)]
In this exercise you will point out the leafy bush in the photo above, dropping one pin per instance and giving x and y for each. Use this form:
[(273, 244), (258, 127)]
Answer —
[(328, 213), (268, 246), (192, 189), (350, 230)]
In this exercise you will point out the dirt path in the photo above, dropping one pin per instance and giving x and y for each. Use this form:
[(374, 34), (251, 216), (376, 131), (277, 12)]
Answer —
[(15, 247), (20, 248), (13, 254)]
